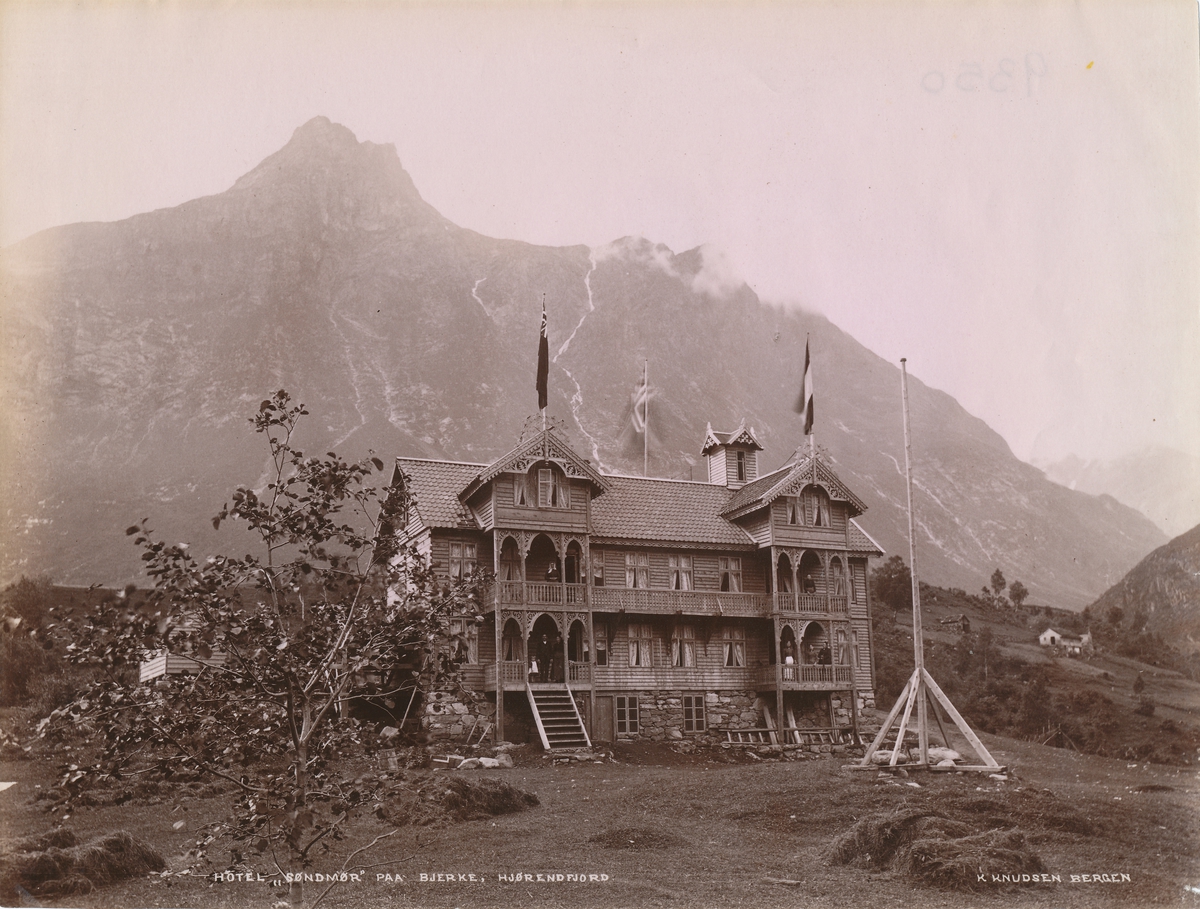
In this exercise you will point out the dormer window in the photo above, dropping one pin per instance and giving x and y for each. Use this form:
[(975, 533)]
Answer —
[(811, 508), (553, 491), (741, 466), (546, 487)]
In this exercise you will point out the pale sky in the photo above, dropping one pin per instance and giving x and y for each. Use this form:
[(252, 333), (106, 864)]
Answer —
[(1006, 194)]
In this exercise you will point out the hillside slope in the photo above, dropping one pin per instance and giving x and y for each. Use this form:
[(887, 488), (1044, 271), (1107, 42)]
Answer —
[(135, 351)]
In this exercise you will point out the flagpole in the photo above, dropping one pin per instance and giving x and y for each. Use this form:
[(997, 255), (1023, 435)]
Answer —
[(646, 418)]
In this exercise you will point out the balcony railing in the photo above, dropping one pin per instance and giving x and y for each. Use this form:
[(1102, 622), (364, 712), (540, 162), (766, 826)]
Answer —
[(540, 593), (515, 674), (806, 675), (696, 602), (812, 603), (650, 600)]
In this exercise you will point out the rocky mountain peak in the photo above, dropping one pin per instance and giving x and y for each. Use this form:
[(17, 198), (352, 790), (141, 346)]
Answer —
[(351, 184)]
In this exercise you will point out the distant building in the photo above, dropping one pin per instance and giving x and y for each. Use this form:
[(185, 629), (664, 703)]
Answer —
[(655, 609), (1073, 645), (960, 623)]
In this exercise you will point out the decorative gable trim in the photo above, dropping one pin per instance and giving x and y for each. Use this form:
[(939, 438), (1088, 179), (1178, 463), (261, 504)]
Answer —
[(807, 471), (544, 446), (743, 435)]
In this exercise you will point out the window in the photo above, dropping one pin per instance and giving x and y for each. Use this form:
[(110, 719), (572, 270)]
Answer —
[(795, 510), (601, 651), (816, 506), (462, 560), (693, 713), (731, 574), (598, 570), (640, 639), (854, 649), (681, 571), (839, 578), (843, 648), (683, 646), (510, 561), (521, 490), (637, 569), (627, 714), (553, 489), (741, 466), (733, 641), (464, 641)]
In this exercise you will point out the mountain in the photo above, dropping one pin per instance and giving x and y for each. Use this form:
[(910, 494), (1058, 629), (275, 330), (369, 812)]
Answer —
[(1161, 483), (134, 353), (1160, 595)]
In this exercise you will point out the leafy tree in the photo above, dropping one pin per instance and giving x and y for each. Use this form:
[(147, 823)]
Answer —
[(280, 636), (998, 582), (1017, 593), (891, 583), (27, 601)]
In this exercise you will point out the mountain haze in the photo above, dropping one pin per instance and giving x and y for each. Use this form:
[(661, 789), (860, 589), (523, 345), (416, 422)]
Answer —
[(135, 351)]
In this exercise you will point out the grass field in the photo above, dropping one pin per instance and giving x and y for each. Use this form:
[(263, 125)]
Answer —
[(654, 828)]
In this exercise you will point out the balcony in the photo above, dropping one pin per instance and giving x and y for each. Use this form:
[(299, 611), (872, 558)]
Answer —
[(667, 602), (805, 677), (541, 593), (810, 604), (515, 674)]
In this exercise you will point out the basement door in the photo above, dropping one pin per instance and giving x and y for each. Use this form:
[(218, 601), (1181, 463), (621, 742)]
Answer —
[(602, 722)]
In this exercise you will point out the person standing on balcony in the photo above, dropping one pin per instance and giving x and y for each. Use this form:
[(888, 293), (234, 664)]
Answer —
[(789, 653)]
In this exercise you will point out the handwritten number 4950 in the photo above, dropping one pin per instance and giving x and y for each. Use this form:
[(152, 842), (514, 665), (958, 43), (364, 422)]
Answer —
[(1005, 77)]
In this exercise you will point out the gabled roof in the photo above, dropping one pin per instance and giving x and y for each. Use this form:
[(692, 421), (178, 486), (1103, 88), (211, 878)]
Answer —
[(435, 486), (858, 540), (789, 480), (543, 446), (674, 511), (740, 436)]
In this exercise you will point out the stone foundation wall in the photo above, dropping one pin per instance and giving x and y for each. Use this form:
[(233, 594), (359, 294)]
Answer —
[(660, 715), (452, 715)]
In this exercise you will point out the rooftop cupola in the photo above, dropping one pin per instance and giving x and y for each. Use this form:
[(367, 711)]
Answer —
[(732, 457)]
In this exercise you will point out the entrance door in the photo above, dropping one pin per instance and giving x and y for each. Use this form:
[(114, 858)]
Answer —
[(602, 722)]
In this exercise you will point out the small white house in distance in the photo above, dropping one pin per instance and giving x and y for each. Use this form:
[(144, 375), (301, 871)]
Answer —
[(1073, 645)]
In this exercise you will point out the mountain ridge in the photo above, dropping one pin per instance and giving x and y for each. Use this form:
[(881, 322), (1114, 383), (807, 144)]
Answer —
[(133, 351)]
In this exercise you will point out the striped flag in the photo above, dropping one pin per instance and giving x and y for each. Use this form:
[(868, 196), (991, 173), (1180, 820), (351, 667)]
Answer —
[(641, 404), (804, 403), (543, 366)]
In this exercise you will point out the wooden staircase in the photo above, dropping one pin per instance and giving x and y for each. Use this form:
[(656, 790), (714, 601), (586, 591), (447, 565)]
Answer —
[(558, 721)]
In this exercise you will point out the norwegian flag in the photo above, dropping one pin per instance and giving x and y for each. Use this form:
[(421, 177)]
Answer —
[(804, 403), (543, 364)]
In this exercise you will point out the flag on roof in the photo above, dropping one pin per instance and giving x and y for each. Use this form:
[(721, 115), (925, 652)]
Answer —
[(640, 401), (543, 364), (804, 403)]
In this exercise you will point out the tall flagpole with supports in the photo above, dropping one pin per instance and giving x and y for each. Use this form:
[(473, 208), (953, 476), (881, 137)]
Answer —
[(920, 690)]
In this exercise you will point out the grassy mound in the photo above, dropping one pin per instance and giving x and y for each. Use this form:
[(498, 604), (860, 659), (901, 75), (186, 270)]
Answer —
[(427, 799), (935, 850), (56, 865)]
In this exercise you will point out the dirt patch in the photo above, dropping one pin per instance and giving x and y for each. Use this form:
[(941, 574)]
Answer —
[(635, 838), (933, 849), (43, 868)]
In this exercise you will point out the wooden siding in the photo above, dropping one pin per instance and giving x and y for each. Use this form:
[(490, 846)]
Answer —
[(439, 550), (507, 514), (716, 467), (708, 639), (706, 573)]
